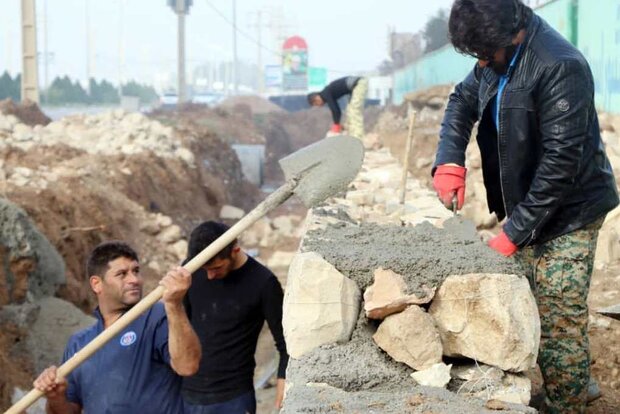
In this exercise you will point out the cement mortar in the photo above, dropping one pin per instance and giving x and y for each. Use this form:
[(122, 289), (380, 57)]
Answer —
[(367, 367), (337, 213), (358, 377), (324, 399), (423, 255), (326, 167)]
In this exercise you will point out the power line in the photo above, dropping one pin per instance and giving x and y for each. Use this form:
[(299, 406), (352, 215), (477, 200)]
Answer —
[(254, 40), (241, 32)]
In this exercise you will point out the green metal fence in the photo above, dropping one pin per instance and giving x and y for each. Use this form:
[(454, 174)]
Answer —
[(592, 25)]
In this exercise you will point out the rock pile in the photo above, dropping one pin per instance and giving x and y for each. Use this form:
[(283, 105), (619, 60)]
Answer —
[(79, 181), (114, 132), (356, 355)]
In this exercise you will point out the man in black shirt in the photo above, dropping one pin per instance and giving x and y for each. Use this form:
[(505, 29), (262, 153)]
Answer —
[(229, 300), (350, 85)]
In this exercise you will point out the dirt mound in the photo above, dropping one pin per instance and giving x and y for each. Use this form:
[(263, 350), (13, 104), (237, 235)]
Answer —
[(281, 132), (256, 104), (287, 132), (232, 127), (27, 112), (86, 179)]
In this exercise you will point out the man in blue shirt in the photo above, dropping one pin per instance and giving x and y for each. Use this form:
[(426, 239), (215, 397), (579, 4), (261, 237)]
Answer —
[(139, 370)]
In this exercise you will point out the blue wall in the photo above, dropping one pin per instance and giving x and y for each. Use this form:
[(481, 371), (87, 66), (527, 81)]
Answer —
[(592, 25)]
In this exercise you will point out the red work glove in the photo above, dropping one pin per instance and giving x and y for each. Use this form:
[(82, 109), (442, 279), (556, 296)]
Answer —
[(448, 181), (502, 244), (335, 128)]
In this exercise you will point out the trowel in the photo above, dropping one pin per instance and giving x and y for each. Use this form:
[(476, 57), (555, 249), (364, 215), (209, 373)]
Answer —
[(611, 311), (313, 174)]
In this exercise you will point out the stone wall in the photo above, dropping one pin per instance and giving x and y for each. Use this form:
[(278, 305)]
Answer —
[(397, 308)]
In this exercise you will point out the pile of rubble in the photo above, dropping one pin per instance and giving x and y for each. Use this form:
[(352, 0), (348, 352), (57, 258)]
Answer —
[(384, 307), (67, 186), (109, 133)]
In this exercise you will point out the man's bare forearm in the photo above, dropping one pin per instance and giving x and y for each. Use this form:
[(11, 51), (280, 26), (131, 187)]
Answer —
[(183, 343)]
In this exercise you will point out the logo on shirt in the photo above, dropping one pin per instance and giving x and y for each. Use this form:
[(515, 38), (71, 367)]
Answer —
[(128, 338)]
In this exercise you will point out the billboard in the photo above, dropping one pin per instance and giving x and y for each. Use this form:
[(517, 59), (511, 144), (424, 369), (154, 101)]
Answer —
[(273, 76), (295, 64), (317, 78)]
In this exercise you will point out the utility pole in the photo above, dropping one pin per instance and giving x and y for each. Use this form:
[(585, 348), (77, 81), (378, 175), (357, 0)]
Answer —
[(278, 27), (181, 51), (87, 29), (46, 53), (235, 58), (260, 83), (181, 8), (121, 50), (30, 77)]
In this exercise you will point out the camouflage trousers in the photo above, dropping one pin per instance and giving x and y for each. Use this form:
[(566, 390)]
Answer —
[(559, 273), (354, 125)]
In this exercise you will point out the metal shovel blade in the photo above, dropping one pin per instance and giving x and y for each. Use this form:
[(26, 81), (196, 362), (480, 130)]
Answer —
[(324, 168), (612, 312)]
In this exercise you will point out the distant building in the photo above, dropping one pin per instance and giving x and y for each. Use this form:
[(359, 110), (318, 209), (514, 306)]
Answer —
[(404, 48)]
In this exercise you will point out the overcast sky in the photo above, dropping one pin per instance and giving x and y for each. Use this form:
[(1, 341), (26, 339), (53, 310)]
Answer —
[(342, 35)]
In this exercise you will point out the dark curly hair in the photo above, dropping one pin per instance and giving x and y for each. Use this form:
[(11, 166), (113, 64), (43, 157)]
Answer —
[(480, 27), (99, 259), (205, 234)]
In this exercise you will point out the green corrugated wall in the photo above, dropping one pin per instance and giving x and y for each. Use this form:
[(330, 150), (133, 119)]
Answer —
[(599, 40), (592, 25)]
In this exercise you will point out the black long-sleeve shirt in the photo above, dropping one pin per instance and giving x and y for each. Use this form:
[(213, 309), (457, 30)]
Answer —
[(227, 315), (336, 90)]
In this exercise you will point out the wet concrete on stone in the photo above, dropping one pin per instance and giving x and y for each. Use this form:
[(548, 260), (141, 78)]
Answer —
[(337, 213), (364, 365), (423, 400), (423, 255), (358, 374)]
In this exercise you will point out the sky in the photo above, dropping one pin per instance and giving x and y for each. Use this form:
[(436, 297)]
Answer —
[(136, 39)]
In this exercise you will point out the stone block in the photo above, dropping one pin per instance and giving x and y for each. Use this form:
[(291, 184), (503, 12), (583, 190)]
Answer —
[(437, 375), (388, 295), (231, 213), (410, 337), (492, 318), (321, 305)]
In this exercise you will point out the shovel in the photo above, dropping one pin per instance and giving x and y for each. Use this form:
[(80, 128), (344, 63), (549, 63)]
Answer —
[(611, 312), (313, 174)]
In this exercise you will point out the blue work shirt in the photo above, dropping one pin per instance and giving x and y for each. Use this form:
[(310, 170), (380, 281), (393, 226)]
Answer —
[(131, 373)]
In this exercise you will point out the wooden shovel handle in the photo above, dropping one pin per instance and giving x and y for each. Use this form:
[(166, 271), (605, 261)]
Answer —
[(275, 199)]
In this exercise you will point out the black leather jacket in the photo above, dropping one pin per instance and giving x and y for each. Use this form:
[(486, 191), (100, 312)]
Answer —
[(546, 169)]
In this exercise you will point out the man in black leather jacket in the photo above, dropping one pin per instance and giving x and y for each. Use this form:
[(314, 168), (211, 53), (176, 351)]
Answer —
[(544, 167)]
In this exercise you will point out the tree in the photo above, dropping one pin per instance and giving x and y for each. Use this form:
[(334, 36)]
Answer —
[(64, 91), (103, 93), (146, 94), (436, 31), (9, 87)]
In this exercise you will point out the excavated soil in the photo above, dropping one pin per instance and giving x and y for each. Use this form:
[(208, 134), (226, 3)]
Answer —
[(27, 112)]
